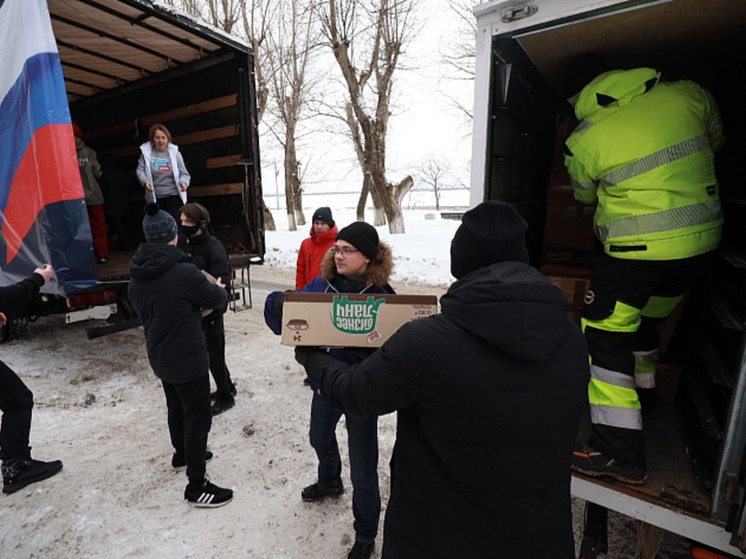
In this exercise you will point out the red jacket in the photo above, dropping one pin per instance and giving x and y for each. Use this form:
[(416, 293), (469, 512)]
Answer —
[(312, 250)]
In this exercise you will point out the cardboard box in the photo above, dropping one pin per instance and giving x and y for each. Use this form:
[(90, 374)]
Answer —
[(349, 319), (667, 378), (574, 289)]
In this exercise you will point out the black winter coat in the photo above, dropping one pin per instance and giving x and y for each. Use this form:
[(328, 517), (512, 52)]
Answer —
[(490, 394), (167, 293), (210, 255), (13, 297)]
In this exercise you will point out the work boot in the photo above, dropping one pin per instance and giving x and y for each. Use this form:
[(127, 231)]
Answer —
[(589, 461), (315, 492), (361, 550), (222, 403), (18, 473), (207, 495)]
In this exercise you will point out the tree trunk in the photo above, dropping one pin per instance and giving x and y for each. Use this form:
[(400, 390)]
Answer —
[(392, 204), (269, 221), (299, 215), (292, 184), (360, 210), (289, 200)]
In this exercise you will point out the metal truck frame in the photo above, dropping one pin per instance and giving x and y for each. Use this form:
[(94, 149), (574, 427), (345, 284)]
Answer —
[(695, 445)]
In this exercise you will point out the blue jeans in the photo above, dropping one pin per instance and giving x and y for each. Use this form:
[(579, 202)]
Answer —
[(363, 447)]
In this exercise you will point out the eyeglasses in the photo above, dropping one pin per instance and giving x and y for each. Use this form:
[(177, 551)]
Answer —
[(343, 251)]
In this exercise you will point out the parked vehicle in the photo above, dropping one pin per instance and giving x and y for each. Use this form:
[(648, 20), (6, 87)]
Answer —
[(129, 64), (695, 444)]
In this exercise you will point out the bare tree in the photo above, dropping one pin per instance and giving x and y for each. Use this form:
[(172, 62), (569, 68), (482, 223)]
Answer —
[(223, 14), (256, 17), (433, 172), (290, 45), (459, 54), (437, 174), (367, 37)]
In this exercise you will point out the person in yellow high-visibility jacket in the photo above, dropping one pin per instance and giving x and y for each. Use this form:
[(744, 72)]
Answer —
[(643, 152)]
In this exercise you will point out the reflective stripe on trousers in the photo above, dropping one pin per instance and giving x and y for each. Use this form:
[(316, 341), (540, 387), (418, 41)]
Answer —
[(613, 399)]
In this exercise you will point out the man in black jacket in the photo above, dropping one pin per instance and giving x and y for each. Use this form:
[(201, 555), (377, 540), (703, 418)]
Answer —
[(168, 293), (17, 401), (489, 397)]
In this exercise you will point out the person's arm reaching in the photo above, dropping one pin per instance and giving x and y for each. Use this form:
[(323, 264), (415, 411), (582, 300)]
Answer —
[(14, 296), (384, 382)]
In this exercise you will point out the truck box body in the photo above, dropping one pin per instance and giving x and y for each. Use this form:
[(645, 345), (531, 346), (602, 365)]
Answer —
[(129, 64), (695, 444)]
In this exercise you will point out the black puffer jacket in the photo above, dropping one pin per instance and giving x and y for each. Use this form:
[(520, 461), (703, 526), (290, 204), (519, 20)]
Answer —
[(210, 255), (13, 297), (167, 293), (489, 394)]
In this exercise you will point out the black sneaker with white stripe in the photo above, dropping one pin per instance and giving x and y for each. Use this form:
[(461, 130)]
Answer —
[(208, 495)]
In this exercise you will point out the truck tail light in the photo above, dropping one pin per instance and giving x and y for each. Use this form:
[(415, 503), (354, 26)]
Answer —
[(92, 298)]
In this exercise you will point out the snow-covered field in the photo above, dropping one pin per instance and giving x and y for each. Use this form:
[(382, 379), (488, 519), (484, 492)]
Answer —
[(420, 255)]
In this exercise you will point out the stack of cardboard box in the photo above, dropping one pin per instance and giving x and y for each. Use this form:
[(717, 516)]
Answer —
[(568, 245)]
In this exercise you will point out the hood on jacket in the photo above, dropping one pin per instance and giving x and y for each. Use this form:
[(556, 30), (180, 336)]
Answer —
[(379, 269), (510, 306), (153, 259), (616, 86), (322, 238)]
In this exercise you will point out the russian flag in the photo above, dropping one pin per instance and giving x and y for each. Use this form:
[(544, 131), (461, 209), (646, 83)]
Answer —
[(42, 206)]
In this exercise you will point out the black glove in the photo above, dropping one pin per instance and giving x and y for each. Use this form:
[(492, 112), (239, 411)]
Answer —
[(302, 353)]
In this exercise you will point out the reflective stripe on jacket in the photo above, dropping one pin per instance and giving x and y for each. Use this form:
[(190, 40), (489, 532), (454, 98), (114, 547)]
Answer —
[(644, 152)]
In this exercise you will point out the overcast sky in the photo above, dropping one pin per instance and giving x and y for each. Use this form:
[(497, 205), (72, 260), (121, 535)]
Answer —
[(424, 122)]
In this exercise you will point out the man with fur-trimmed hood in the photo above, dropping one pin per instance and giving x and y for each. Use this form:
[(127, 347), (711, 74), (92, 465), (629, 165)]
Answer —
[(358, 262)]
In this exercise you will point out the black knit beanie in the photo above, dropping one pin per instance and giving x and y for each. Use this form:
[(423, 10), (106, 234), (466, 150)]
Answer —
[(158, 226), (362, 236), (323, 214), (491, 232)]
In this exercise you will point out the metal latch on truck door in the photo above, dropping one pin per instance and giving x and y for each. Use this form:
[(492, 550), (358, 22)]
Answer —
[(517, 12)]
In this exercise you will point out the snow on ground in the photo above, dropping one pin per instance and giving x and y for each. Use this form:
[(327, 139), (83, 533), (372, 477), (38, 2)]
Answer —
[(99, 409), (420, 255)]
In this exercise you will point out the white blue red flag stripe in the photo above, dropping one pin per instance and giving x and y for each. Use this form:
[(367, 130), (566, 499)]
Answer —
[(42, 206)]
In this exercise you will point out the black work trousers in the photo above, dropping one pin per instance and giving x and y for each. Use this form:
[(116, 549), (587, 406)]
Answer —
[(626, 301), (189, 421), (214, 329), (16, 403)]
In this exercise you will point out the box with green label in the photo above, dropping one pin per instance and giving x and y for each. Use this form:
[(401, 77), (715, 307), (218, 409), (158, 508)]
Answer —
[(349, 319)]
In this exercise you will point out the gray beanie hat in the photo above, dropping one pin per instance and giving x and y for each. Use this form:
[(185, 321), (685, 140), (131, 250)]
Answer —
[(158, 226)]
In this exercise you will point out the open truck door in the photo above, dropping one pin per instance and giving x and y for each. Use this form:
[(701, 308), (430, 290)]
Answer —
[(695, 444), (126, 65)]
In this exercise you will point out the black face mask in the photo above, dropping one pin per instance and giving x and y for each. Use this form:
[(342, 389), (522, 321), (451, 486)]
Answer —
[(190, 230)]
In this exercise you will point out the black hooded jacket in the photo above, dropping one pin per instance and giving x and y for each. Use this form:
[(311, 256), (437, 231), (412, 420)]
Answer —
[(13, 297), (168, 293), (210, 255), (489, 397)]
